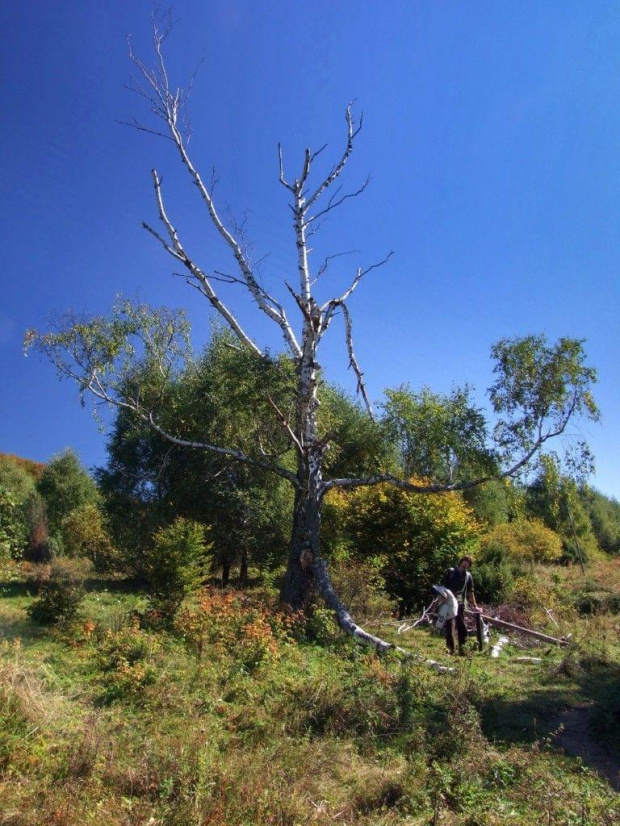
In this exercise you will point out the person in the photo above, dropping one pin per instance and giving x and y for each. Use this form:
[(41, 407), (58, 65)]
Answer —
[(460, 581)]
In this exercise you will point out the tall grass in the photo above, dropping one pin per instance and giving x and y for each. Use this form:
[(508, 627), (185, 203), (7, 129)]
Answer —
[(237, 717)]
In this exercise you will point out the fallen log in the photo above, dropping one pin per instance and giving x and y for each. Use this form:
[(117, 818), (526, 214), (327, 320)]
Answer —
[(509, 626)]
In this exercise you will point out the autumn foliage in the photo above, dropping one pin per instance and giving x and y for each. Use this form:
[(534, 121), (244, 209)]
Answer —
[(227, 624), (34, 469), (527, 540), (410, 538)]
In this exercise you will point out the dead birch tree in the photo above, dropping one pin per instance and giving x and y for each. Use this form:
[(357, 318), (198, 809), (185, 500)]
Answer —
[(537, 411)]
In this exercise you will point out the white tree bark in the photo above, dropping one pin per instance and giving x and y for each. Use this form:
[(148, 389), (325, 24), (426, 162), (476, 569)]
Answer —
[(306, 567)]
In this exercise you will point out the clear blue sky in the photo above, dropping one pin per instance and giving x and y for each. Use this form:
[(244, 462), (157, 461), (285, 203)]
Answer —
[(492, 134)]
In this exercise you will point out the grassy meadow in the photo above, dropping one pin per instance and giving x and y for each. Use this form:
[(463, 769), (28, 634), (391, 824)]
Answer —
[(236, 715)]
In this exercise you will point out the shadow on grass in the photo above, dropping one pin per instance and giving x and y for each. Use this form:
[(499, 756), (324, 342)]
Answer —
[(113, 585), (12, 590), (574, 684), (15, 623), (526, 719)]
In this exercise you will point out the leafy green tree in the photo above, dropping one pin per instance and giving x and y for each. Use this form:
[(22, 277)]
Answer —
[(10, 540), (18, 497), (358, 444), (538, 389), (493, 502), (149, 482), (604, 514), (441, 438), (176, 562), (154, 376), (65, 486), (554, 498)]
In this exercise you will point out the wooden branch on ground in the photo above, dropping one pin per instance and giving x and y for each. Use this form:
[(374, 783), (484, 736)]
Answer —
[(509, 626)]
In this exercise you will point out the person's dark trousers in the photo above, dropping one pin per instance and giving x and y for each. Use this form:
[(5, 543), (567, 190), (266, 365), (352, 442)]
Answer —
[(461, 630)]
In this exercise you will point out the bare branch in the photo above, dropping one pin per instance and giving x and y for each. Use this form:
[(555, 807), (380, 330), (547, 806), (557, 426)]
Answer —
[(177, 251), (287, 428), (352, 132), (378, 263), (389, 478), (168, 105), (282, 179), (361, 273), (135, 124), (226, 278), (317, 153), (361, 387), (299, 184), (224, 451), (335, 202), (315, 228), (323, 268)]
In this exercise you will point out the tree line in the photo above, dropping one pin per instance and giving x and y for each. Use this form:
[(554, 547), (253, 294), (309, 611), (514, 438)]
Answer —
[(154, 501)]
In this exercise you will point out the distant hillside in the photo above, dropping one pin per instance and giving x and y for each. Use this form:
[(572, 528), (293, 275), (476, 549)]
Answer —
[(35, 469)]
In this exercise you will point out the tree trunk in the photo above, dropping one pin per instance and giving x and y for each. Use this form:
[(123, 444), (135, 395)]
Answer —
[(304, 547), (243, 566), (225, 572)]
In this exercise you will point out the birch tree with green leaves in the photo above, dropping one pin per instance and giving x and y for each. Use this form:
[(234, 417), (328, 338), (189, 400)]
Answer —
[(540, 387)]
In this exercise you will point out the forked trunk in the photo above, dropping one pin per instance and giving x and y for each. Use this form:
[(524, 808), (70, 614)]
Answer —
[(307, 574)]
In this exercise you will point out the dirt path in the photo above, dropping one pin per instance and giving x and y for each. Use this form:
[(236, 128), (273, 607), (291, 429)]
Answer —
[(575, 739)]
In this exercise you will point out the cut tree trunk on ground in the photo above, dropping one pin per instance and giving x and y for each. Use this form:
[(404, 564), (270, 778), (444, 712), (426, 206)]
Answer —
[(509, 626)]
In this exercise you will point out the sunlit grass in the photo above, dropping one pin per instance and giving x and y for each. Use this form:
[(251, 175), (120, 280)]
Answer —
[(108, 721)]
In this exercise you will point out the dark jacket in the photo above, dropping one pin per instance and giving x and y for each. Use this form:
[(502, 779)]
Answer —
[(460, 582)]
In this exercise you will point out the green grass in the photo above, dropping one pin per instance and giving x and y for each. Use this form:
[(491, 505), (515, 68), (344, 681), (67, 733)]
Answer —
[(110, 722)]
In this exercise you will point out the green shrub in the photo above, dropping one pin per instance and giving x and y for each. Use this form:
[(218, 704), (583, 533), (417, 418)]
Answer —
[(85, 535), (321, 628), (60, 591), (523, 540), (495, 577), (176, 563), (410, 539), (495, 582), (126, 660)]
